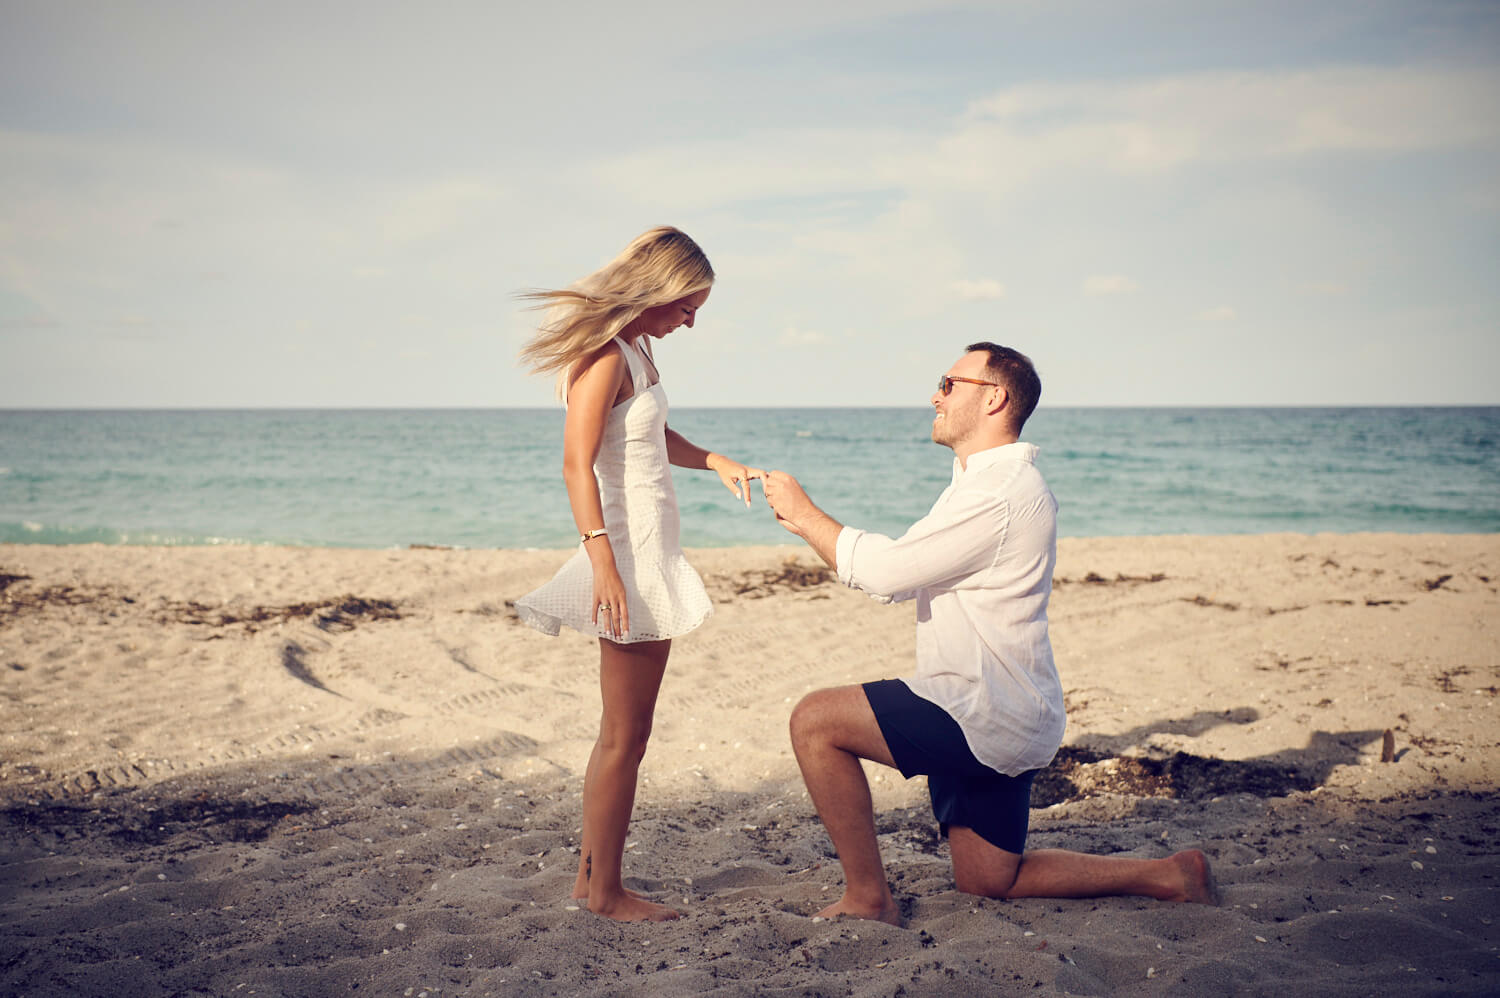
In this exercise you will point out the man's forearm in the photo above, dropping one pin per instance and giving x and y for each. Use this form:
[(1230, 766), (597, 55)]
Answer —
[(821, 532)]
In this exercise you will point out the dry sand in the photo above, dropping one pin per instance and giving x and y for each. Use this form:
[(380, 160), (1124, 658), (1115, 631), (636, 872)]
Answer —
[(310, 772)]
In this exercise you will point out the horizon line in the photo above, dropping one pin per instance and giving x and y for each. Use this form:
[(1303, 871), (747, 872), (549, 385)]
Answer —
[(829, 407)]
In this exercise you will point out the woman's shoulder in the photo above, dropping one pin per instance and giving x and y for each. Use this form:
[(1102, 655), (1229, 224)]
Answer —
[(611, 354), (606, 364)]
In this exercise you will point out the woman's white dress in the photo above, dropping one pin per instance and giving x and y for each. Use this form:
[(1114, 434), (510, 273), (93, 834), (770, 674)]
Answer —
[(666, 595)]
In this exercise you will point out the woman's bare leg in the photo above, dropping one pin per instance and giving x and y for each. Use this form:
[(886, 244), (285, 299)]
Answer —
[(629, 679), (581, 882)]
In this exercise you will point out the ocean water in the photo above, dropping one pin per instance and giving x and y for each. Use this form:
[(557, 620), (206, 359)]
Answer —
[(492, 478)]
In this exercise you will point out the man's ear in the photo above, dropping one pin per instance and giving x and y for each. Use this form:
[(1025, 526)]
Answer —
[(998, 400)]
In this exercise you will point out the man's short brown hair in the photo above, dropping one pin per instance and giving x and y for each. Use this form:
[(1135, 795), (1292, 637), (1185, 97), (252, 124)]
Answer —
[(1014, 370)]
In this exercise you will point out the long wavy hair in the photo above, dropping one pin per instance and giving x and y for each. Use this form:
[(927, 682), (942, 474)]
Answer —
[(659, 266)]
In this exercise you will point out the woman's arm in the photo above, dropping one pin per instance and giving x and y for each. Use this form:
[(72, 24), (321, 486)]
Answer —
[(736, 476), (595, 384)]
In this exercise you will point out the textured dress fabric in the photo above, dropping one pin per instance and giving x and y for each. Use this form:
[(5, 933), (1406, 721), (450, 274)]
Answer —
[(666, 596)]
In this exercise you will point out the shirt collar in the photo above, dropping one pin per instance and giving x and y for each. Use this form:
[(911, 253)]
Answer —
[(1018, 451)]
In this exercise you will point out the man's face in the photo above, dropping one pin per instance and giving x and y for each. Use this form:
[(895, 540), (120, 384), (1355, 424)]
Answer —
[(959, 412)]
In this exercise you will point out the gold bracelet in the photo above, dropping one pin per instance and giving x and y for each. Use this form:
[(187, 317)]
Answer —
[(590, 535)]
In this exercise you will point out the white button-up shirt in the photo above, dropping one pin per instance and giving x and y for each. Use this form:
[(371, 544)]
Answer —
[(980, 566)]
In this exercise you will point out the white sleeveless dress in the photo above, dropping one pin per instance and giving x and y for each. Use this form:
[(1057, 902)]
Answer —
[(666, 596)]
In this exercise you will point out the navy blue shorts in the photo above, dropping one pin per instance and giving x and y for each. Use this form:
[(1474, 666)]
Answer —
[(925, 740)]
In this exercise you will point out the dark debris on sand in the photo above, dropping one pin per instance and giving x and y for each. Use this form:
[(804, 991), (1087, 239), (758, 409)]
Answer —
[(134, 817), (1078, 772), (1120, 579), (338, 613), (792, 576)]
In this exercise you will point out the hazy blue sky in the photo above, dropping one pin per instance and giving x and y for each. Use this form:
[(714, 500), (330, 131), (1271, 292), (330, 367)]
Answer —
[(331, 204)]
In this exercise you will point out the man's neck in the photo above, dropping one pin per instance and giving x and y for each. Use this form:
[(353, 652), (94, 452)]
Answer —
[(981, 442)]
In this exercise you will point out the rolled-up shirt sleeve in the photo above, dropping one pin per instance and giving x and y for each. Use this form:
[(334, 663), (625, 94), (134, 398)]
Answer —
[(958, 538)]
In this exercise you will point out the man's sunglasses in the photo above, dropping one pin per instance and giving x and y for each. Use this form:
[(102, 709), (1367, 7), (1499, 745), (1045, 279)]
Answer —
[(945, 383)]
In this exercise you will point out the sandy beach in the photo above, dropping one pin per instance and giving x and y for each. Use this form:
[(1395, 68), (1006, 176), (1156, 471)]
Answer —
[(291, 771)]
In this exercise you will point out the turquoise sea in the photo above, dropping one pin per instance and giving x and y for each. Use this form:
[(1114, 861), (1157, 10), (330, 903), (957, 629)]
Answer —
[(492, 478)]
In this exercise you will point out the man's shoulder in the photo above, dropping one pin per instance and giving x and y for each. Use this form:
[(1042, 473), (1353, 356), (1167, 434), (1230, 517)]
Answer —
[(1007, 468)]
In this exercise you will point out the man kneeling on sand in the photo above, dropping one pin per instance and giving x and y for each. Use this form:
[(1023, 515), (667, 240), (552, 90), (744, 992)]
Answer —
[(984, 711)]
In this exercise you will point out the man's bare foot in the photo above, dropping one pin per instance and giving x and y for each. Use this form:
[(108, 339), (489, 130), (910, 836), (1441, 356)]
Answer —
[(844, 908), (1197, 878), (626, 907)]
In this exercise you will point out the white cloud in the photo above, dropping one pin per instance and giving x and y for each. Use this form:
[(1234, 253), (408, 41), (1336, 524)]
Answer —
[(437, 209), (1110, 284), (794, 337), (1221, 313), (1172, 121), (758, 165), (1010, 138), (980, 290)]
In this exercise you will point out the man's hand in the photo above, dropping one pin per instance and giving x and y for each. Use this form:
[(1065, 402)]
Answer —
[(787, 500), (796, 512)]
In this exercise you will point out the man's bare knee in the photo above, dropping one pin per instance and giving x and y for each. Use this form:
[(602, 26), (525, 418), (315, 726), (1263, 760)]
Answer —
[(979, 867), (827, 710), (983, 884), (810, 715)]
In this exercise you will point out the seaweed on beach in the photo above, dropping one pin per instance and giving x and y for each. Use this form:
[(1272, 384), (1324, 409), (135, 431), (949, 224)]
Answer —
[(792, 576), (21, 599), (1079, 772), (340, 613), (1120, 579)]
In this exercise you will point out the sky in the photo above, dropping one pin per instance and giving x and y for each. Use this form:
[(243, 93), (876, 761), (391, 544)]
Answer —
[(1162, 202)]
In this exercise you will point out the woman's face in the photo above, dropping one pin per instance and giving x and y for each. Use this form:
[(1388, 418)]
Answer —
[(661, 320)]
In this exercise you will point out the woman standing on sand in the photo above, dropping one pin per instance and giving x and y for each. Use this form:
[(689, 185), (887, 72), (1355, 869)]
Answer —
[(628, 584)]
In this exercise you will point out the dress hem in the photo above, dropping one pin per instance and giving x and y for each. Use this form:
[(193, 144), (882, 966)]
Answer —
[(552, 626)]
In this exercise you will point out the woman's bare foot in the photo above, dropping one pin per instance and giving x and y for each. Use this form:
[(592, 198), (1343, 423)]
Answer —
[(627, 907), (581, 882), (1197, 878), (582, 893), (888, 912)]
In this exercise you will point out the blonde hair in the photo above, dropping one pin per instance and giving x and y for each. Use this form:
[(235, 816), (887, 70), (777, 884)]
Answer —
[(659, 267)]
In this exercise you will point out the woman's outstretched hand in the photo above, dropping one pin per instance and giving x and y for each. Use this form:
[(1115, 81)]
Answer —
[(735, 476)]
